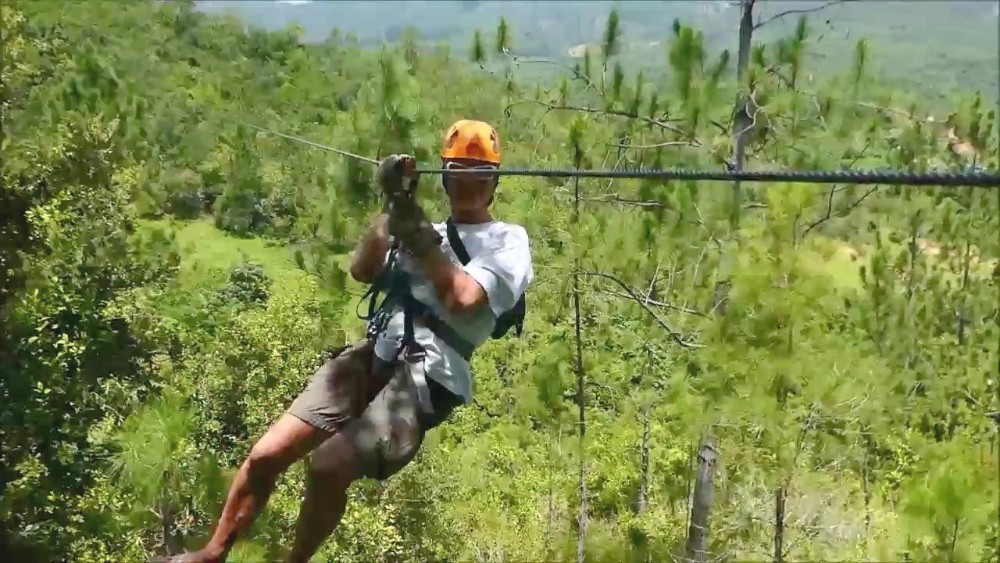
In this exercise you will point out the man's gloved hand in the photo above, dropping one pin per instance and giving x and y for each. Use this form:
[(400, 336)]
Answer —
[(410, 226), (391, 175)]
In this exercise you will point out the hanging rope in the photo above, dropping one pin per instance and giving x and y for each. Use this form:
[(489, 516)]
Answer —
[(987, 179)]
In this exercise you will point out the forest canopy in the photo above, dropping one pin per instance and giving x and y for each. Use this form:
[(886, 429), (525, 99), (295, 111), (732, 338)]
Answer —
[(822, 358)]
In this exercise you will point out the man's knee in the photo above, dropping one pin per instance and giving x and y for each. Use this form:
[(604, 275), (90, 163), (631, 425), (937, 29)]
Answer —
[(285, 442), (335, 461), (394, 450), (266, 462), (364, 450), (380, 442)]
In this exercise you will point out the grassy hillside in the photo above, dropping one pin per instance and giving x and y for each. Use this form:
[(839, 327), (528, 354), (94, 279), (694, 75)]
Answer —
[(207, 253)]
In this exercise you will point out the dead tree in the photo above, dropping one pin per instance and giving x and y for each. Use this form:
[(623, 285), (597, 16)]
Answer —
[(581, 379), (701, 506), (742, 120)]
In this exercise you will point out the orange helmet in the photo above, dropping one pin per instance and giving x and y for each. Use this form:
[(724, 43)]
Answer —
[(472, 139)]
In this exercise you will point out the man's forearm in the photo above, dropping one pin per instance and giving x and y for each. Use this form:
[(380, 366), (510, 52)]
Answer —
[(369, 254), (458, 291)]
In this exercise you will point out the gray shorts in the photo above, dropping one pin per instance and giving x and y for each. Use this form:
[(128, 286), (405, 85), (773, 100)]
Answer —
[(373, 406)]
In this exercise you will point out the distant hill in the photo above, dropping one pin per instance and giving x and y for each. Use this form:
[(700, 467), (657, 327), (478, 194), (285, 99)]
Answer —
[(938, 46)]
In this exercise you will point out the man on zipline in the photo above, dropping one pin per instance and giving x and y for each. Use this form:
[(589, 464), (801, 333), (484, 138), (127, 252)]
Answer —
[(364, 413)]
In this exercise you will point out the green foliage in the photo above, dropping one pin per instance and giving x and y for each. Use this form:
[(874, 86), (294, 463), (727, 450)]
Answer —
[(248, 283), (478, 52), (171, 277), (503, 37), (914, 48), (612, 37)]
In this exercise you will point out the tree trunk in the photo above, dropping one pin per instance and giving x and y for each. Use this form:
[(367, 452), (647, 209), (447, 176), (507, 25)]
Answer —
[(741, 117), (911, 275), (866, 482), (548, 519), (643, 499), (172, 543), (581, 539), (779, 524), (697, 541), (741, 123), (965, 284)]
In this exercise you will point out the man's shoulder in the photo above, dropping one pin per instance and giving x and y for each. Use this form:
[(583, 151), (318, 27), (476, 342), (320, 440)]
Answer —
[(510, 232), (500, 231)]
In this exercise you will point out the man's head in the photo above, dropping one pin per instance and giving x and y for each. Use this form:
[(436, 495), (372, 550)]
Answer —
[(470, 145)]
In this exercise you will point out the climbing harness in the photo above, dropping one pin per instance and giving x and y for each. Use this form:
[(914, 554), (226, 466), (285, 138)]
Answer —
[(395, 282), (976, 178)]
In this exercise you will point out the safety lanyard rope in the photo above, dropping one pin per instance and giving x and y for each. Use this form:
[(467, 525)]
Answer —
[(990, 179)]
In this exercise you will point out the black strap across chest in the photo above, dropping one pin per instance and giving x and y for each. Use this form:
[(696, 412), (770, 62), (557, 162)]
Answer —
[(456, 243)]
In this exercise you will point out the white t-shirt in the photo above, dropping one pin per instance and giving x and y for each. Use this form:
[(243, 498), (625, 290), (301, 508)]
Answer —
[(500, 260)]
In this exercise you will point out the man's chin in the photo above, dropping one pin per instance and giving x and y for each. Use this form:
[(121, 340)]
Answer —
[(464, 206)]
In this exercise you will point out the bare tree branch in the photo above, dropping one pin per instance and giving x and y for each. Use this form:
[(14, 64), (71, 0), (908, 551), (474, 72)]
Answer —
[(652, 282), (722, 128), (674, 334), (520, 59), (656, 303), (615, 198), (780, 15), (829, 211), (756, 111), (552, 107), (650, 204), (618, 163), (835, 189), (842, 212), (883, 109), (655, 145)]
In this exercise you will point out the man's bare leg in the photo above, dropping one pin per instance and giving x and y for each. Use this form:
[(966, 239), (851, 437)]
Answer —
[(286, 441), (330, 473), (389, 430)]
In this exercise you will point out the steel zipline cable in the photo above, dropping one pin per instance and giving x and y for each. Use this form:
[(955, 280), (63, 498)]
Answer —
[(317, 145), (990, 179)]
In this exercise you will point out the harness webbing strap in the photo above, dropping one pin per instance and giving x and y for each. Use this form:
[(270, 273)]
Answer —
[(441, 329), (456, 243), (396, 284)]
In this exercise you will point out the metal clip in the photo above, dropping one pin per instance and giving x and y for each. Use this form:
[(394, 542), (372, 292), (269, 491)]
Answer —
[(413, 352)]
